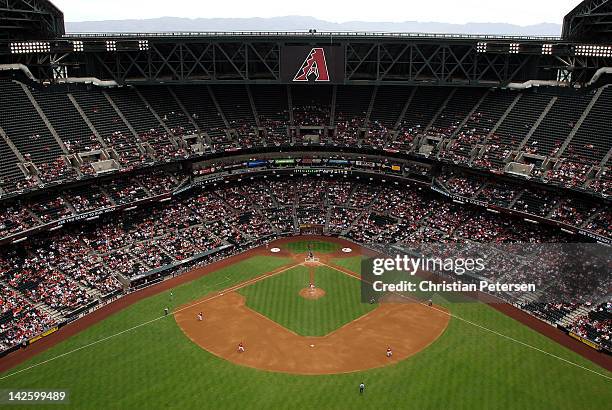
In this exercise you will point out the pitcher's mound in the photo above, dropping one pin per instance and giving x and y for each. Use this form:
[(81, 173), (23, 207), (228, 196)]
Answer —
[(310, 293)]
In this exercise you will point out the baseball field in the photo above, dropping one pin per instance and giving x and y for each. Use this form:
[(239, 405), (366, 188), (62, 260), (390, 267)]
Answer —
[(309, 342)]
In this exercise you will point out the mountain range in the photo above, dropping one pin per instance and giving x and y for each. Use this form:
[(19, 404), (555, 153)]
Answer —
[(303, 23)]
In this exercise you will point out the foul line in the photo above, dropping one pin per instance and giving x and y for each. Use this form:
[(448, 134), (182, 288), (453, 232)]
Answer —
[(353, 275), (274, 273), (221, 293)]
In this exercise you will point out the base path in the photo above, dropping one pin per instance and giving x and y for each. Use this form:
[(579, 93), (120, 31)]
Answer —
[(359, 345)]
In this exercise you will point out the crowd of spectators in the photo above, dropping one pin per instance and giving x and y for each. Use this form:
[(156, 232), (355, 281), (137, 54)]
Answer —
[(377, 134), (568, 173), (55, 171), (311, 116), (460, 185), (72, 267), (603, 184), (19, 319), (348, 130), (34, 275), (15, 218), (596, 325)]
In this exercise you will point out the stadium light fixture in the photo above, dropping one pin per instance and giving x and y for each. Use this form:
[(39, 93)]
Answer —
[(481, 47), (30, 47), (143, 45), (77, 46), (547, 49), (593, 51), (514, 48), (111, 45)]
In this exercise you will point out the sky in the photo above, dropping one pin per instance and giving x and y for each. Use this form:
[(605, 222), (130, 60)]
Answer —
[(520, 12)]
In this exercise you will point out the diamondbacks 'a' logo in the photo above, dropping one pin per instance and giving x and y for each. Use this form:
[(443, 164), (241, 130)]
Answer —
[(314, 64)]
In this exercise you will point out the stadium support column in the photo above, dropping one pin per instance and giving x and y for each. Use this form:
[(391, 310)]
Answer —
[(291, 129), (328, 215), (182, 107), (605, 159), (405, 109), (150, 107), (254, 111), (42, 115), (120, 114), (503, 117), (12, 146), (586, 112), (86, 119), (515, 199), (366, 122), (253, 107), (467, 117), (538, 122), (442, 107), (332, 109), (218, 107), (17, 155)]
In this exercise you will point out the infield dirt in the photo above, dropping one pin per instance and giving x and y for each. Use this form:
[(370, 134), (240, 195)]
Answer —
[(359, 345)]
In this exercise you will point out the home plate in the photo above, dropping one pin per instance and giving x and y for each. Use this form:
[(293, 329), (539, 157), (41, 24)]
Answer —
[(312, 345), (275, 250)]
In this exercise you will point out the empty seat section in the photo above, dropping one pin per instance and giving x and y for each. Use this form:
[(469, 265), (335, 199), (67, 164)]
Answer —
[(108, 123), (311, 105), (272, 108), (236, 106), (557, 125), (67, 121), (24, 127), (456, 110), (149, 129), (165, 106), (352, 103), (197, 101), (594, 137)]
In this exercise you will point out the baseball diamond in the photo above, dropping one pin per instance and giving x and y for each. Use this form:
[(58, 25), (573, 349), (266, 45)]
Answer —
[(290, 345)]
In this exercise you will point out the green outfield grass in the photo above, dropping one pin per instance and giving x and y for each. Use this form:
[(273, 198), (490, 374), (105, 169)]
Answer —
[(156, 367), (352, 263), (278, 298), (317, 247)]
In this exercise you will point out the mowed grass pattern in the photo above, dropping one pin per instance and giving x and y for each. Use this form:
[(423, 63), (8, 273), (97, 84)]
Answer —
[(278, 299), (352, 263), (157, 367), (317, 247)]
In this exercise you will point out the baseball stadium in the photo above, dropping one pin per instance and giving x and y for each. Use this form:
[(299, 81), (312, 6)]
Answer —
[(329, 220)]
